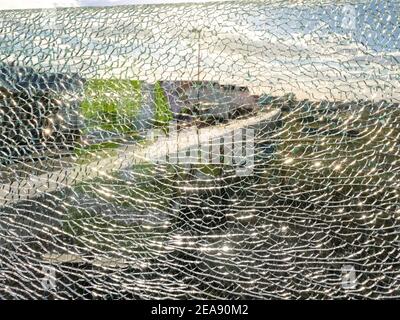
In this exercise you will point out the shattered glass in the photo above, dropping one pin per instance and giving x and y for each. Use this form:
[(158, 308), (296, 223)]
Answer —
[(221, 150)]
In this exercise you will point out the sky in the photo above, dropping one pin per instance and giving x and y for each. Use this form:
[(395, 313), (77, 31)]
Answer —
[(257, 46), (29, 4)]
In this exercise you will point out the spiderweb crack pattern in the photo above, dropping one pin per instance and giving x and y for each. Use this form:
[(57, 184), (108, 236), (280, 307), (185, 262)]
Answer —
[(221, 150)]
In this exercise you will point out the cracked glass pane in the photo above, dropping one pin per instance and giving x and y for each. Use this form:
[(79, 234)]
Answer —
[(216, 150)]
